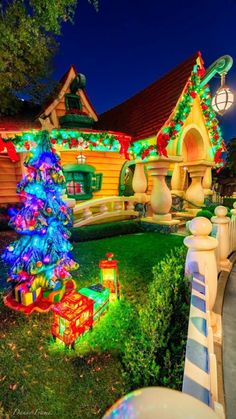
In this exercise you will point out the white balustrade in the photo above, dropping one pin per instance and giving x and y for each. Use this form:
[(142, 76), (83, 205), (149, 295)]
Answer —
[(117, 206), (232, 230), (221, 223), (139, 183), (98, 210), (87, 213), (201, 253), (103, 208)]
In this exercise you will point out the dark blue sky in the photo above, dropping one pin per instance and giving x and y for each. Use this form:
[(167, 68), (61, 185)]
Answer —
[(129, 44)]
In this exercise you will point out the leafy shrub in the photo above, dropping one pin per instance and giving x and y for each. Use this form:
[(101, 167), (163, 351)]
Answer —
[(228, 202), (100, 231), (205, 213), (212, 208), (210, 211), (154, 355)]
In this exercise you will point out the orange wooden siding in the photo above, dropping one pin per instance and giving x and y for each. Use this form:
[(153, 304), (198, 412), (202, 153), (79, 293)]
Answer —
[(107, 163), (10, 175)]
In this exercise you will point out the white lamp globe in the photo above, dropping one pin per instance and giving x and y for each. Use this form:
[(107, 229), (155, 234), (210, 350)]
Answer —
[(222, 100)]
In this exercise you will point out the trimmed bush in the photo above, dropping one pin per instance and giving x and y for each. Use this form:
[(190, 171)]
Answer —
[(205, 213), (210, 211), (100, 231), (154, 355), (228, 202)]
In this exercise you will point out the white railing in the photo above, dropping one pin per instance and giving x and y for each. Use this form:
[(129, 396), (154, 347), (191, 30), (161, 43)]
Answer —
[(100, 209), (217, 198), (204, 331), (232, 230), (207, 256)]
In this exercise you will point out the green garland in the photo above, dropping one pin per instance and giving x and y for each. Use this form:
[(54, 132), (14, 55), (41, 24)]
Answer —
[(75, 140), (170, 132)]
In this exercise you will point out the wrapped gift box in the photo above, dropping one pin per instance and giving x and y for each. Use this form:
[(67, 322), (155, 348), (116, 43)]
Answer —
[(24, 296), (73, 316), (54, 295), (100, 296)]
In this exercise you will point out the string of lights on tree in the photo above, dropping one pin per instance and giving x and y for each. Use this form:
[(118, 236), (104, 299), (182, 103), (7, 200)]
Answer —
[(41, 257), (143, 149)]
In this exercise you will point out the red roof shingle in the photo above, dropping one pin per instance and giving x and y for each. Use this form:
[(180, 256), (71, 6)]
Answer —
[(24, 120), (146, 112)]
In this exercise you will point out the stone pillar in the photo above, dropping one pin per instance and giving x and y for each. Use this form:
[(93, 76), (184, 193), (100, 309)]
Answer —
[(207, 182), (161, 199), (195, 192), (221, 221), (139, 183), (201, 256), (177, 181)]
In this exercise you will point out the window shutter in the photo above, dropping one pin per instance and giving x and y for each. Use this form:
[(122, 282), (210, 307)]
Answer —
[(97, 182)]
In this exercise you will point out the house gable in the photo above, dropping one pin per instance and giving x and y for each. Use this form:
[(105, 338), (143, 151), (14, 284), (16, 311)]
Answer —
[(49, 117)]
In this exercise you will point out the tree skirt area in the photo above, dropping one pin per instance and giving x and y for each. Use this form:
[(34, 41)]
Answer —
[(43, 378)]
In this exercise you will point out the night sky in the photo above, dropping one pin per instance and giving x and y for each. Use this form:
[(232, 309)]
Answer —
[(129, 44)]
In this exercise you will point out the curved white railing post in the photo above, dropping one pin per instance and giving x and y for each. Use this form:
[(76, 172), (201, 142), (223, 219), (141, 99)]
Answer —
[(232, 229), (221, 223), (201, 253)]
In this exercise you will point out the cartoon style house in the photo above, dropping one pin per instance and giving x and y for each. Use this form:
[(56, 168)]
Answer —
[(162, 142)]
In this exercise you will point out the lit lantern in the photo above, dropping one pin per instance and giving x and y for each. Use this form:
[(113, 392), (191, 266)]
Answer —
[(109, 275), (223, 98), (81, 159), (73, 316)]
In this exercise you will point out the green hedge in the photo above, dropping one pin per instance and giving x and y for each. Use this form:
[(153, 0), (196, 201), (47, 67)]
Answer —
[(154, 355), (205, 213), (209, 211), (100, 231), (228, 202)]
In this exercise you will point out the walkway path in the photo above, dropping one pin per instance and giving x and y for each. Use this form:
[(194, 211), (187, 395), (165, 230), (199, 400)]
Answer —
[(229, 342)]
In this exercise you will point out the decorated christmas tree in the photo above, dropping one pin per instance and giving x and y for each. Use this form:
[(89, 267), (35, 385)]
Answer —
[(40, 259)]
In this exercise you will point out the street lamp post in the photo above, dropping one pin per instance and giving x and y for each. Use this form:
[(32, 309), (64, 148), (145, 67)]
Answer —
[(223, 98)]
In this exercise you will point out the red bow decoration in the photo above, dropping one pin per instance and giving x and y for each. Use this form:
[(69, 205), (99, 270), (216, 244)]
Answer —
[(11, 151), (218, 158), (124, 145), (162, 142)]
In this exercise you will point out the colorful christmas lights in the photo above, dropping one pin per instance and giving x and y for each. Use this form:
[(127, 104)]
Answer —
[(79, 140), (193, 88), (41, 257), (73, 316)]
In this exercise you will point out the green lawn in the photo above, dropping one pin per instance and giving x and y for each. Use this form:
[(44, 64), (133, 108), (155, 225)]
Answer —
[(37, 374)]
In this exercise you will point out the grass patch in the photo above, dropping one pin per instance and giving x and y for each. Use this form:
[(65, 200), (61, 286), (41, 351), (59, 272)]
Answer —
[(37, 374), (136, 255)]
